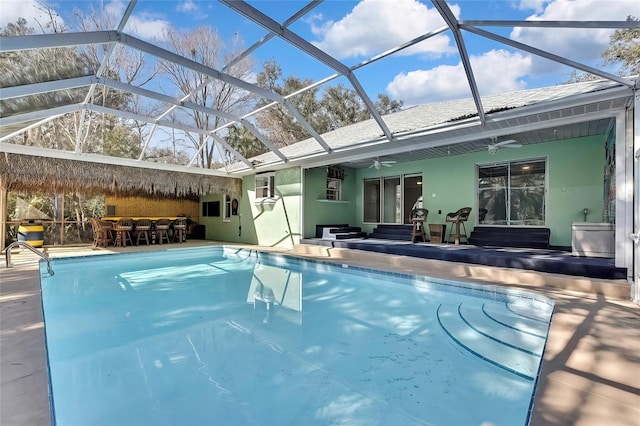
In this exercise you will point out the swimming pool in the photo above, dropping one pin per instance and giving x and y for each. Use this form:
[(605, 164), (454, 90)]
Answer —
[(234, 337)]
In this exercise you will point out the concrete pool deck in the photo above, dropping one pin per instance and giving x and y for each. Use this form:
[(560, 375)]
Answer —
[(590, 375)]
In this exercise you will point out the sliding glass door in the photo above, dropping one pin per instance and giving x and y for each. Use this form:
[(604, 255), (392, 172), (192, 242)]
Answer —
[(389, 199)]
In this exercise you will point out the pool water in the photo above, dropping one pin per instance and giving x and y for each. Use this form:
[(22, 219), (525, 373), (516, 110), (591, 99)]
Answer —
[(221, 336)]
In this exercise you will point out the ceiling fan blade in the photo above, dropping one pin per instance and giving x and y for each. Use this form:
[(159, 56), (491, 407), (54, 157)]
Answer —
[(507, 142), (513, 145)]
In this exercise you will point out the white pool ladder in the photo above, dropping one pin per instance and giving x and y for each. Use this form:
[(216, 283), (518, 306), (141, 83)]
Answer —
[(25, 244)]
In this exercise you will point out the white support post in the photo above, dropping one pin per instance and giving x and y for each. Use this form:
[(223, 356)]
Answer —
[(635, 285), (3, 212)]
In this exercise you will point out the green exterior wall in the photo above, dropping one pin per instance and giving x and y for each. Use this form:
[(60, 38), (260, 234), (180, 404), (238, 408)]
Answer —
[(318, 210), (575, 175), (274, 224)]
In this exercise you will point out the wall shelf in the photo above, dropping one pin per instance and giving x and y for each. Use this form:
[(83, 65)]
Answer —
[(322, 200)]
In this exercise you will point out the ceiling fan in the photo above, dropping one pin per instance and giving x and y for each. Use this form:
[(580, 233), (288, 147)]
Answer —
[(377, 164), (509, 143)]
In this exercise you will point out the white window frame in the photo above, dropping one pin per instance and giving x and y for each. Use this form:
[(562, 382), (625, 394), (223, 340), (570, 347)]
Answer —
[(334, 194), (267, 187), (509, 164), (226, 217)]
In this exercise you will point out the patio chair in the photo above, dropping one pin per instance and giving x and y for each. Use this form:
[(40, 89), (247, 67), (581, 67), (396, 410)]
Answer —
[(122, 229), (143, 226), (458, 218), (101, 233), (418, 218), (180, 229), (162, 230)]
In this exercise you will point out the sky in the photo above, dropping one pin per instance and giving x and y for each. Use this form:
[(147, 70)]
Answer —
[(355, 31)]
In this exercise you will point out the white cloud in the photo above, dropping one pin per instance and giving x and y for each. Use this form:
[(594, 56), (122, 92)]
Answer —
[(187, 6), (582, 45), (374, 26), (144, 24), (496, 71), (27, 9), (536, 5)]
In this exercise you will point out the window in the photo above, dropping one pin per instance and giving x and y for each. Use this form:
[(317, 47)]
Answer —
[(334, 187), (512, 193), (265, 185), (227, 209), (111, 210), (211, 209)]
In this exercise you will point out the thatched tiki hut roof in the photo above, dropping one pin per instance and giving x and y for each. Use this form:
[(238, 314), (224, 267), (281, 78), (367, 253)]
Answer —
[(32, 173)]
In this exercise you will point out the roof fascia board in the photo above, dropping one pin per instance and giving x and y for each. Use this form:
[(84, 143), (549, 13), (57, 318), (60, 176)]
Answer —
[(48, 41), (452, 22), (548, 55), (47, 86), (568, 102), (552, 24), (96, 158)]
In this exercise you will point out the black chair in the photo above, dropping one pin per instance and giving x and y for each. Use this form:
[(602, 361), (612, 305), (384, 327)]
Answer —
[(458, 218)]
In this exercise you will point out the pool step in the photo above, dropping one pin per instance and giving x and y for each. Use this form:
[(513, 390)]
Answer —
[(519, 335), (499, 345)]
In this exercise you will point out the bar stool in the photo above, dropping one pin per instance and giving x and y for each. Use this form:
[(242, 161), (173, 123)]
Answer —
[(122, 229), (162, 230), (418, 218), (458, 218), (179, 230), (143, 226)]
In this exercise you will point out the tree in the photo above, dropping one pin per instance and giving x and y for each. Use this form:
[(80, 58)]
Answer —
[(624, 48), (386, 105), (278, 124), (335, 107), (243, 141), (204, 46)]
